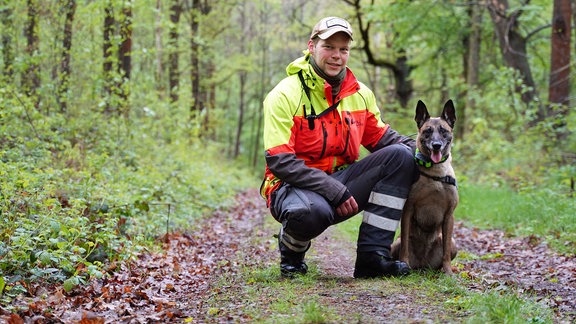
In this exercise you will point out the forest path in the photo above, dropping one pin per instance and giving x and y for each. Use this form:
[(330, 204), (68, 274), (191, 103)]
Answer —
[(183, 283)]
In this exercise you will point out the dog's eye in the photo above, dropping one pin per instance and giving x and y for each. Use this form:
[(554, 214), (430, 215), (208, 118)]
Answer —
[(428, 131), (443, 131)]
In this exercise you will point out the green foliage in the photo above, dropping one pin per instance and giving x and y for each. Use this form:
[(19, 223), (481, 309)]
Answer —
[(80, 189), (78, 193), (312, 312), (504, 307), (501, 142), (540, 213)]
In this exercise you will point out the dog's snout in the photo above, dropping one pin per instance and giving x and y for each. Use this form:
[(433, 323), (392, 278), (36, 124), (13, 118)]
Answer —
[(437, 146)]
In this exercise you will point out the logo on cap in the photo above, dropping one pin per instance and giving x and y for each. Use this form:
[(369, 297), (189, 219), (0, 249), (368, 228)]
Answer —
[(330, 26)]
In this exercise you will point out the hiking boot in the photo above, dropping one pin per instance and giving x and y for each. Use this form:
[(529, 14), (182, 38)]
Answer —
[(289, 267), (378, 264), (291, 263)]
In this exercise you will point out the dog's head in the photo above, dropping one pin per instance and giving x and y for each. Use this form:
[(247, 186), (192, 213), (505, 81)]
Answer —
[(435, 134)]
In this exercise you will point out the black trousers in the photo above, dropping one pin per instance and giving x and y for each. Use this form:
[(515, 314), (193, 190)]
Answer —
[(379, 182)]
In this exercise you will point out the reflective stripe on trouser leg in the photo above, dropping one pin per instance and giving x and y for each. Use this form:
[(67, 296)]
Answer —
[(383, 204), (293, 244), (381, 218)]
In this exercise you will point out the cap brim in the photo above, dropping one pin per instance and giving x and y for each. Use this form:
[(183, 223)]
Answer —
[(332, 31)]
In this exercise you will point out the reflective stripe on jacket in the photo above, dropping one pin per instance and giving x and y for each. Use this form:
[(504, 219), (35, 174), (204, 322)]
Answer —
[(304, 156)]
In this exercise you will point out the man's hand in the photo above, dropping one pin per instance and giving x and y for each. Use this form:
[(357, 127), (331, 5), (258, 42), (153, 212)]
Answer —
[(347, 208)]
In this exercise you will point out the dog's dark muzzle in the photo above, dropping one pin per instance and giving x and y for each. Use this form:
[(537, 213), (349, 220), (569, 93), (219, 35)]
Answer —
[(436, 146)]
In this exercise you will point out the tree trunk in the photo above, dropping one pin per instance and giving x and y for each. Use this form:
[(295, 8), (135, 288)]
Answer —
[(32, 77), (7, 49), (173, 57), (574, 18), (70, 9), (471, 65), (125, 52), (513, 45), (400, 68), (241, 93), (559, 86), (263, 41), (125, 56), (159, 49), (209, 98), (401, 71), (108, 33), (197, 103), (243, 76)]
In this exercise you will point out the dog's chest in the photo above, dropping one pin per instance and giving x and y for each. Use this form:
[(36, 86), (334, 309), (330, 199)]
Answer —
[(432, 199), (433, 189)]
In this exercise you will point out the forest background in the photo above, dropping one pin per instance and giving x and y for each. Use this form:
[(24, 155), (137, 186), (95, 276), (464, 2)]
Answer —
[(121, 121)]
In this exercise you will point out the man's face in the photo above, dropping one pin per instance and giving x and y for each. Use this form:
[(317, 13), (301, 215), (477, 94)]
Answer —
[(331, 54)]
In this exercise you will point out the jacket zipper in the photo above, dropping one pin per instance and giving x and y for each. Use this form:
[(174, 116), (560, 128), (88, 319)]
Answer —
[(347, 120), (325, 134)]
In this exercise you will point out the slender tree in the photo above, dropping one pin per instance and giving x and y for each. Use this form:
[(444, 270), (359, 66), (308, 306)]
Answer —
[(573, 5), (559, 86), (159, 49), (198, 9), (399, 67), (242, 76), (207, 88), (513, 45), (108, 34), (174, 56), (263, 44), (471, 64), (7, 21), (31, 81), (125, 54), (70, 9), (195, 13), (125, 50)]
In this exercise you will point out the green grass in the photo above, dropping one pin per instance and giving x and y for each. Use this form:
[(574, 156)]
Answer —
[(522, 214), (315, 299), (505, 307), (541, 213)]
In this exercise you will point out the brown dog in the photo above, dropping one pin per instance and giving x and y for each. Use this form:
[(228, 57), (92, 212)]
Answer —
[(428, 216)]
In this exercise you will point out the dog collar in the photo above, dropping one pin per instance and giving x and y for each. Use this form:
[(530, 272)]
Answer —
[(424, 161)]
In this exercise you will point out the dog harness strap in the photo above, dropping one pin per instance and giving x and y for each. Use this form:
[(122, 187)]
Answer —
[(445, 179)]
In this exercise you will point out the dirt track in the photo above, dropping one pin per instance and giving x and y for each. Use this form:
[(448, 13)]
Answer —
[(175, 286)]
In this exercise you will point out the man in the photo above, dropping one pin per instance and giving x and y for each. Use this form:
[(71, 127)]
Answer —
[(315, 121)]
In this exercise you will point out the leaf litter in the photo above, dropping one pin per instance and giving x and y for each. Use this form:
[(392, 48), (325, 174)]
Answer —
[(177, 284)]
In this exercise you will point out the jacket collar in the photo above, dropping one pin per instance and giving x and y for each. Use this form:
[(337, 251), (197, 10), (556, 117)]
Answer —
[(349, 86)]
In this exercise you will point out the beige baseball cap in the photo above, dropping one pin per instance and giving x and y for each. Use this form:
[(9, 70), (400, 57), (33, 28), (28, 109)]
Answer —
[(329, 26)]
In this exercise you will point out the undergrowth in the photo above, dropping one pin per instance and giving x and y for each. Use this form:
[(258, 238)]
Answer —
[(77, 195), (542, 214)]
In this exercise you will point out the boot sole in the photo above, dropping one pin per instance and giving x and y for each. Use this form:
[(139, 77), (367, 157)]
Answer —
[(367, 274)]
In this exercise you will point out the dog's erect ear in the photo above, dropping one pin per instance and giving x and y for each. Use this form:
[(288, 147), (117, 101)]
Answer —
[(449, 113), (422, 114)]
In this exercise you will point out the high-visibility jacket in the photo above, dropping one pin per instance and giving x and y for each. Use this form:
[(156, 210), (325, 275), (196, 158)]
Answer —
[(302, 152)]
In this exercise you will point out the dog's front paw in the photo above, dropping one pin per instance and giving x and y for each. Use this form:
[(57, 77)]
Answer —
[(447, 270)]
